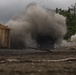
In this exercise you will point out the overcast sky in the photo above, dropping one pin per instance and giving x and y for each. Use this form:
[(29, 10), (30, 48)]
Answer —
[(10, 8)]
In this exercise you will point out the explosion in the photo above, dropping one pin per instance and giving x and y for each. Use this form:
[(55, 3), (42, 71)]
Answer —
[(37, 27)]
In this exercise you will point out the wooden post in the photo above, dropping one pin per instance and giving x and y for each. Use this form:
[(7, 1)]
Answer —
[(8, 38)]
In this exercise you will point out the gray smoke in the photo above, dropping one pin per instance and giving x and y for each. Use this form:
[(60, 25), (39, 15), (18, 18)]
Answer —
[(37, 27), (73, 38)]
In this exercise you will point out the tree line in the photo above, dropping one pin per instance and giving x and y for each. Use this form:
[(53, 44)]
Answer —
[(70, 15)]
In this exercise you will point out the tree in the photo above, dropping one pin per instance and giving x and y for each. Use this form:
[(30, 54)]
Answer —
[(70, 15)]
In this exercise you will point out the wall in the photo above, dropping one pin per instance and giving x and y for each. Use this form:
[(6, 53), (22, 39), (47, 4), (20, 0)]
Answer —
[(4, 38)]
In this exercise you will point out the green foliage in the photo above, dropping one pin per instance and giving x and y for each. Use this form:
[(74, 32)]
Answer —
[(70, 20)]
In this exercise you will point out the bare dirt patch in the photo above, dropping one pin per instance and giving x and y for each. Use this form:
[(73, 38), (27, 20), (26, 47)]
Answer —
[(59, 62)]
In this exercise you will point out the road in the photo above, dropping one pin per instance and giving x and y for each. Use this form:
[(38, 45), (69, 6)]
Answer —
[(36, 51)]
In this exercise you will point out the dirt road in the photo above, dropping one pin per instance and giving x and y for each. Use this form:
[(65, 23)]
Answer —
[(61, 61)]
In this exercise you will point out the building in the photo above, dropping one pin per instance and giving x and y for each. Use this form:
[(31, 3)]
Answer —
[(4, 36)]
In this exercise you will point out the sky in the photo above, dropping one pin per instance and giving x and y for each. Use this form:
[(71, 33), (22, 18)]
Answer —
[(11, 8)]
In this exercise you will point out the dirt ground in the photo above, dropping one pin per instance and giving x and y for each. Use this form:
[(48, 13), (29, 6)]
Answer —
[(61, 61)]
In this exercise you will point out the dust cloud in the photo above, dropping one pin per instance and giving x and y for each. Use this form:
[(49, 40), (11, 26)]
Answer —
[(37, 27)]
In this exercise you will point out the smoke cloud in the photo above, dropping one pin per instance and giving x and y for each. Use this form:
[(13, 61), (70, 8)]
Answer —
[(70, 43), (73, 38), (37, 27)]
